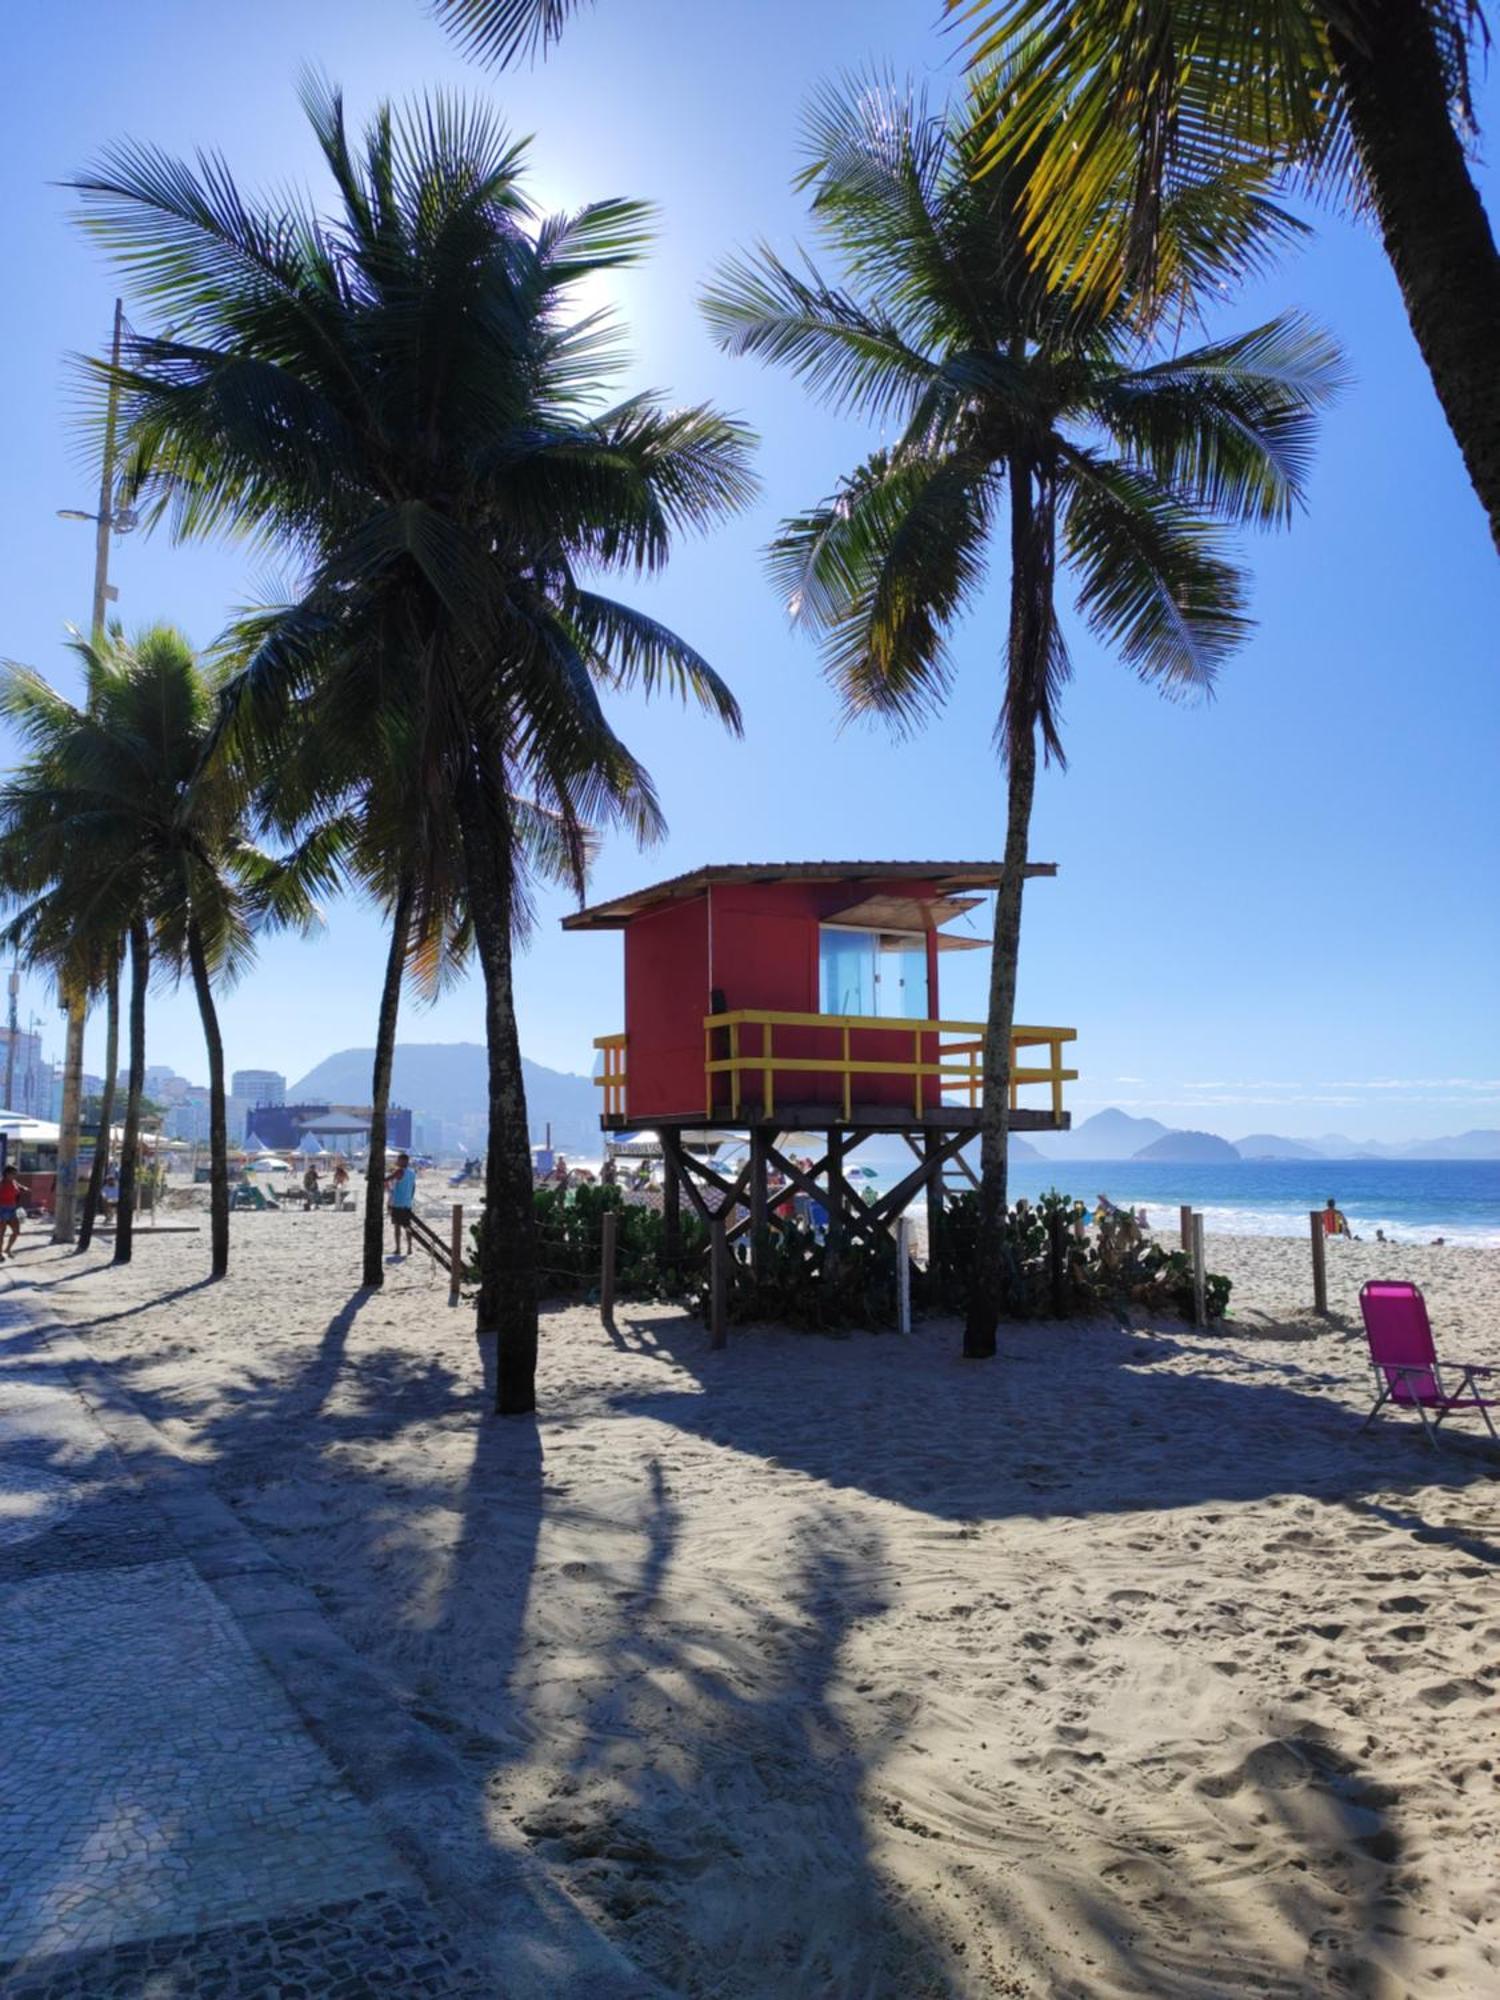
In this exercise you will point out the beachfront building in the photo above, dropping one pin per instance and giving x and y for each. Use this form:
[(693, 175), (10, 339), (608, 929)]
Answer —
[(802, 998)]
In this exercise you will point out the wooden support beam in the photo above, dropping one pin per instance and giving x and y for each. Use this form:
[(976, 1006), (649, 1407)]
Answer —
[(838, 1188), (718, 1285), (933, 1154), (611, 1224), (671, 1201), (1319, 1262), (455, 1252), (1200, 1275), (760, 1146)]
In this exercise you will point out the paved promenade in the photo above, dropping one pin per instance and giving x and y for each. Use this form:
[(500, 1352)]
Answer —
[(202, 1790)]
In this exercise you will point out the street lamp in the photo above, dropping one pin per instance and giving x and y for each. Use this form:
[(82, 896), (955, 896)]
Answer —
[(109, 518)]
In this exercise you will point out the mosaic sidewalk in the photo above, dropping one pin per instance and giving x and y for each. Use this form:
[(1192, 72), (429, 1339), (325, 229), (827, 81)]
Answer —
[(172, 1824)]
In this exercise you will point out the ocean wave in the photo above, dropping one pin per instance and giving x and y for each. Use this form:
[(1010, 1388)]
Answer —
[(1238, 1221)]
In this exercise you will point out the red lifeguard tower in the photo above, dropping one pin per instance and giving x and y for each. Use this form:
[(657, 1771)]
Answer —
[(802, 997)]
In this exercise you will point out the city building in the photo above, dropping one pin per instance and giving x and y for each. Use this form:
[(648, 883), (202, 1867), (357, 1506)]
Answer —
[(27, 1073), (258, 1086)]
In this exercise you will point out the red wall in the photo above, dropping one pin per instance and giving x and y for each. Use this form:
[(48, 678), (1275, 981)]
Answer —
[(666, 998), (757, 943)]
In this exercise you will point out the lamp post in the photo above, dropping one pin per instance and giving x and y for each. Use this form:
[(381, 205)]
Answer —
[(117, 520)]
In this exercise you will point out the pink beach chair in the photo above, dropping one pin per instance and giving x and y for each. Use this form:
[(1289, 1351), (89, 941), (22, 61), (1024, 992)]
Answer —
[(1407, 1370)]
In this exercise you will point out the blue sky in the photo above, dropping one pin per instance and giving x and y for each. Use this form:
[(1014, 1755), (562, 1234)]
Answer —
[(1274, 911)]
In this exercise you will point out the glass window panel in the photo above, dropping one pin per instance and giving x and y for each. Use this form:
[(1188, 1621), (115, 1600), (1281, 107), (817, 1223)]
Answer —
[(846, 972), (901, 978)]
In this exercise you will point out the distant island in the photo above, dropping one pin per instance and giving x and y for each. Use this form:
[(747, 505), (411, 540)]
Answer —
[(1116, 1135)]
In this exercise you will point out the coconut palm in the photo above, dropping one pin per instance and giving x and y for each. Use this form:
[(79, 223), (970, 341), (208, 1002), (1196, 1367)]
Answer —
[(404, 397), (1366, 101), (132, 824), (1017, 419), (499, 32)]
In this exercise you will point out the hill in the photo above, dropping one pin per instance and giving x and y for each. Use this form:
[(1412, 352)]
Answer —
[(1271, 1146), (1480, 1145), (1188, 1148), (449, 1080), (1108, 1135)]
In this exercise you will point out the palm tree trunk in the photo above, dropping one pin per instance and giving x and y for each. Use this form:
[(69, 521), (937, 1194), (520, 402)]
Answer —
[(1032, 552), (65, 1198), (380, 1084), (106, 1105), (140, 973), (218, 1122), (507, 1230), (1432, 221)]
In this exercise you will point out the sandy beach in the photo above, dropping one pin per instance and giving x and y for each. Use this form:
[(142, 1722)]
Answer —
[(1120, 1666)]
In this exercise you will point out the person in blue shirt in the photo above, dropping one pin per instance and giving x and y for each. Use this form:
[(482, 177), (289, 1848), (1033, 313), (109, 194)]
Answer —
[(403, 1186)]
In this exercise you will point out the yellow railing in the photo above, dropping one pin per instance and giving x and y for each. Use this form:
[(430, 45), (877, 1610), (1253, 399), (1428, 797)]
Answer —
[(959, 1065), (612, 1082)]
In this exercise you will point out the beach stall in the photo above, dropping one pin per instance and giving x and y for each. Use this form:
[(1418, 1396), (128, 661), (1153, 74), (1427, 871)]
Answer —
[(767, 999)]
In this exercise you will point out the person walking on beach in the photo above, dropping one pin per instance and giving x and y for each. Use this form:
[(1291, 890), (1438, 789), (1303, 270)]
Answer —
[(340, 1183), (12, 1194), (109, 1194), (310, 1185), (403, 1186)]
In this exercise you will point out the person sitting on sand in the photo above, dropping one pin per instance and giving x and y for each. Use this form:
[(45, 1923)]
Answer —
[(12, 1194), (403, 1187), (1335, 1222)]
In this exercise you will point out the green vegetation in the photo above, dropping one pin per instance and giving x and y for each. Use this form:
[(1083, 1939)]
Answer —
[(1123, 105)]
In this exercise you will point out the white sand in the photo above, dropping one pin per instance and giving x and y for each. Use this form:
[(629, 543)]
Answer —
[(1120, 1665)]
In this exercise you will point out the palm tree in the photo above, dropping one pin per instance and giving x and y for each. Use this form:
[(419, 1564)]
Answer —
[(1020, 420), (402, 396), (1365, 100), (134, 825), (498, 32)]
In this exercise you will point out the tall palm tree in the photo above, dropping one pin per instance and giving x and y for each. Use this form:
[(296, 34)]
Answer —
[(405, 397), (1367, 100), (1022, 421), (134, 824)]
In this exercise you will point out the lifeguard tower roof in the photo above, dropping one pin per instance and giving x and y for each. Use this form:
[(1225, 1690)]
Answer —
[(938, 878)]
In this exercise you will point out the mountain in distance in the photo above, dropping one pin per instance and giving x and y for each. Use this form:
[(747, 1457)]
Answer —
[(1018, 1148), (1108, 1135), (1271, 1146), (1479, 1145), (1188, 1148), (450, 1080)]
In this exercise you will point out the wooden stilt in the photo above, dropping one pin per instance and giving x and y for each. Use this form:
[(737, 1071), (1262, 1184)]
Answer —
[(1057, 1263), (838, 1194), (759, 1210), (1185, 1221), (671, 1202), (932, 1149), (455, 1252), (718, 1284), (1200, 1275)]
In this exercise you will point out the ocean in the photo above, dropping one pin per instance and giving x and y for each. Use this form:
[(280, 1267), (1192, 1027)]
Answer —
[(1411, 1200)]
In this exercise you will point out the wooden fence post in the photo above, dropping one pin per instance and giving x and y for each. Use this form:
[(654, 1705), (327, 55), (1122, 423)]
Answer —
[(903, 1275), (1057, 1260), (607, 1267), (718, 1282), (1320, 1267), (1200, 1275), (1185, 1219), (455, 1252)]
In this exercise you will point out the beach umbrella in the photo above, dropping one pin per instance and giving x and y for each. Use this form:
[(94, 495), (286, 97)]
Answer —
[(309, 1146)]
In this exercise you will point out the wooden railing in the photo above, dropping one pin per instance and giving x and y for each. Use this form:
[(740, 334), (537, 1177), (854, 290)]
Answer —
[(612, 1082), (956, 1065)]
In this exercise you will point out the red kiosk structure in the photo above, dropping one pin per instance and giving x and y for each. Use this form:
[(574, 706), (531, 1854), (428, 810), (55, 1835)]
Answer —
[(767, 999)]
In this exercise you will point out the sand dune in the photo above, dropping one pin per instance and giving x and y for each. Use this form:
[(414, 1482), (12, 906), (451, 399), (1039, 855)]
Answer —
[(1121, 1666)]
